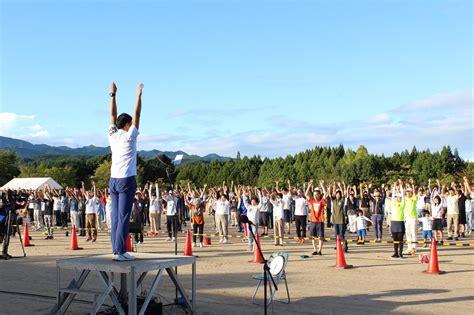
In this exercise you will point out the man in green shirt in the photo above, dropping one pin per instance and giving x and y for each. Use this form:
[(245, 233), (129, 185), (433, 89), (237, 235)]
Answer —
[(397, 225)]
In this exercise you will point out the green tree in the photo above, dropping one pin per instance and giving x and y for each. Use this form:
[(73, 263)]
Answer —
[(102, 174), (8, 166)]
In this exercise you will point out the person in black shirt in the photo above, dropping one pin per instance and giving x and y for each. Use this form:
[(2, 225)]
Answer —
[(376, 209), (352, 204)]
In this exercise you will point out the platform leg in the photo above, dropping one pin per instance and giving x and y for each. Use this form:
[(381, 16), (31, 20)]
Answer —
[(113, 293), (151, 292), (193, 293), (132, 292), (180, 288)]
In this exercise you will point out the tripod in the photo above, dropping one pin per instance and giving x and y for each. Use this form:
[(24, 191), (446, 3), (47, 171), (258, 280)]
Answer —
[(6, 239), (266, 269)]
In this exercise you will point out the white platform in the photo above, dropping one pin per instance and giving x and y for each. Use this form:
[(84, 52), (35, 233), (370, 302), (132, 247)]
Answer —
[(144, 262), (132, 274)]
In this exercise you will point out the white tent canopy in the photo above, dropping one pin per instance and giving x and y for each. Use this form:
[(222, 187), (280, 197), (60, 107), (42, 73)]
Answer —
[(31, 183)]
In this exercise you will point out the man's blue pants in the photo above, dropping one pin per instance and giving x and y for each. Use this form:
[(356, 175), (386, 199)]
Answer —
[(122, 191)]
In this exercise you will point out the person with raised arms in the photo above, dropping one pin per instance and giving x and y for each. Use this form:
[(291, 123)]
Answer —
[(397, 225), (317, 203), (123, 133)]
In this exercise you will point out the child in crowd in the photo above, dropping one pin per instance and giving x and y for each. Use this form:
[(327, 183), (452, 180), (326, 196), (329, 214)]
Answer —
[(427, 224), (361, 227)]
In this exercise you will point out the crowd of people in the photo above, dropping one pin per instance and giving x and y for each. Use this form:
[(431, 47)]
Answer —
[(403, 207)]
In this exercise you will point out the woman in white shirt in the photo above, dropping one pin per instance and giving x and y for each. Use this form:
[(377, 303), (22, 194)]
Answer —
[(253, 214), (155, 209), (301, 213), (437, 214), (222, 217), (57, 209)]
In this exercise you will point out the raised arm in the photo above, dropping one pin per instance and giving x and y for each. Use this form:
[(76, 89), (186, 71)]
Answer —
[(95, 189), (467, 186), (203, 191), (83, 188), (138, 106), (113, 104), (323, 189), (306, 193)]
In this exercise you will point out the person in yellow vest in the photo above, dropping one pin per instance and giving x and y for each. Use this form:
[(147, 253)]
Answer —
[(411, 217), (397, 225)]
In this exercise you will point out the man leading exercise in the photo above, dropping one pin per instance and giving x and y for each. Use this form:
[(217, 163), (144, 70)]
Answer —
[(123, 133)]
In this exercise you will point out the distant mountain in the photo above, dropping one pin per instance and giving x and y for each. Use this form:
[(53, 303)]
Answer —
[(25, 149)]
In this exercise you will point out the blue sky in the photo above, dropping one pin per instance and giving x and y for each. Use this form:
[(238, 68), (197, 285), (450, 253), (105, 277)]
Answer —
[(263, 77)]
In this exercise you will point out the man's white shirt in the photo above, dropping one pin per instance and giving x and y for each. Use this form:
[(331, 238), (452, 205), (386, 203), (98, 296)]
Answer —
[(123, 145)]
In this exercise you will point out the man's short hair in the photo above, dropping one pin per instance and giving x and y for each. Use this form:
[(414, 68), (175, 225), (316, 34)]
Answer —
[(123, 119)]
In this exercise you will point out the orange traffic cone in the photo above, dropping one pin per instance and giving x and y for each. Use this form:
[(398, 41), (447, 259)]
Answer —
[(340, 260), (188, 250), (129, 243), (26, 237), (74, 245), (257, 258), (207, 241), (433, 266)]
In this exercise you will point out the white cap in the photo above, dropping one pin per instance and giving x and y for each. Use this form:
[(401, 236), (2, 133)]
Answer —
[(409, 189)]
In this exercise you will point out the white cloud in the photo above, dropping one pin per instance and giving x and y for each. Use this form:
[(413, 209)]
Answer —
[(454, 100), (39, 134), (21, 127), (381, 118)]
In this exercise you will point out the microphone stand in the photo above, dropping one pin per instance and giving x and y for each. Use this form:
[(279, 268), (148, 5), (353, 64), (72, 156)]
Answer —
[(266, 271)]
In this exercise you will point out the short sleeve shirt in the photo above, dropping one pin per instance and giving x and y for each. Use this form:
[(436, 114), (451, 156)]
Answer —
[(317, 210), (123, 145)]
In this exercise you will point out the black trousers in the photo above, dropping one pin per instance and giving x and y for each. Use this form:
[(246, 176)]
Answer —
[(57, 215), (398, 243), (139, 237), (300, 221), (198, 229), (146, 217), (82, 223), (171, 224), (64, 219)]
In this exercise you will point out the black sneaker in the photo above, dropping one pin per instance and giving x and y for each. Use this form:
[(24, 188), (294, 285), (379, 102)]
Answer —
[(314, 253), (456, 238), (449, 239), (394, 256), (320, 254)]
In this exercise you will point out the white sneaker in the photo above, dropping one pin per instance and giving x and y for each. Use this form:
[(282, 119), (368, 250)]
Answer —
[(200, 244), (115, 256), (123, 257), (220, 241), (173, 239), (224, 241), (168, 239), (128, 256), (194, 244)]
